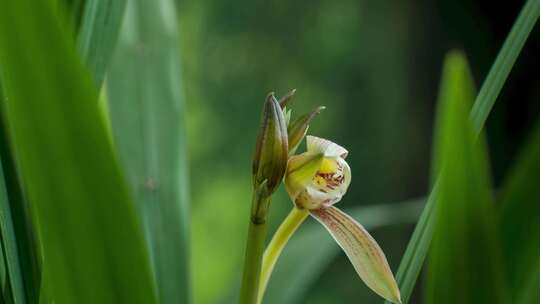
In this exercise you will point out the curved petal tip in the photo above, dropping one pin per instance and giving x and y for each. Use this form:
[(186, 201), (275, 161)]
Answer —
[(362, 250)]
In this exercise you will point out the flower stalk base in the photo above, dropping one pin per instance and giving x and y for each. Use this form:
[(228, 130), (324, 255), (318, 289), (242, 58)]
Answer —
[(295, 218), (254, 251)]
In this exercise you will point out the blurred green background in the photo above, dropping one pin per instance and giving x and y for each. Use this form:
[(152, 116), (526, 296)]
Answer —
[(71, 231), (376, 66)]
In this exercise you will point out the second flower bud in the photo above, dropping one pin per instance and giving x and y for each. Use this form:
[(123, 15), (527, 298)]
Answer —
[(271, 152)]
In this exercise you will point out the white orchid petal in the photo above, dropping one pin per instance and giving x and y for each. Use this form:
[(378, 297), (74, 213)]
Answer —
[(346, 174), (328, 148), (314, 181), (364, 253)]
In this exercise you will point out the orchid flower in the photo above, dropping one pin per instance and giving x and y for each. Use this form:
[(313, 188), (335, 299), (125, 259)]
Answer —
[(315, 181)]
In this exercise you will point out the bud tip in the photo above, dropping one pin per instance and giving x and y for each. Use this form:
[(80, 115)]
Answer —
[(283, 101)]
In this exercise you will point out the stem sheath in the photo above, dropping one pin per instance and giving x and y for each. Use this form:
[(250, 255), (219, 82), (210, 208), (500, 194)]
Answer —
[(254, 250), (274, 249)]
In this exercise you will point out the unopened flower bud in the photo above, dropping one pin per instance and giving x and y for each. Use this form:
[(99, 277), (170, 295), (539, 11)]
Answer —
[(271, 152)]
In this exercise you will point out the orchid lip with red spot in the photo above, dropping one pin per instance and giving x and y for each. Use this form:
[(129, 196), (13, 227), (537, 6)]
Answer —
[(319, 177)]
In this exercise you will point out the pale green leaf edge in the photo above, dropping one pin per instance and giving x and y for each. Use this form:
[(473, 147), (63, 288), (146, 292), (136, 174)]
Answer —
[(146, 107), (99, 31)]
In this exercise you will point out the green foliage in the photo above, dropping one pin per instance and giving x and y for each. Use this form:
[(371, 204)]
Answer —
[(100, 25), (11, 288), (62, 192), (74, 11), (147, 114), (414, 256), (18, 230), (11, 279), (465, 265), (504, 62), (519, 218), (4, 279), (483, 104), (80, 205)]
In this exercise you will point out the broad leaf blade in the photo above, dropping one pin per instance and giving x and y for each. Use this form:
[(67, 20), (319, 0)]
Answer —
[(147, 115), (90, 237), (99, 30), (464, 259), (520, 219)]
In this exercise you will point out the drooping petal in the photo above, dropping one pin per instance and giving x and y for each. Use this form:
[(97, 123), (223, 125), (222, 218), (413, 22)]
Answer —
[(328, 148), (364, 253)]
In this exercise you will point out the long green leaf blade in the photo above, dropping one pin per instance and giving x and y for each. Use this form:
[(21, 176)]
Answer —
[(24, 236), (91, 240), (147, 115), (416, 251), (4, 283), (10, 253), (504, 62), (24, 232), (464, 260), (520, 221), (99, 30), (413, 259)]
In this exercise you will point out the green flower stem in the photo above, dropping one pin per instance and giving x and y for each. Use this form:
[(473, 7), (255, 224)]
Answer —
[(254, 249), (280, 239)]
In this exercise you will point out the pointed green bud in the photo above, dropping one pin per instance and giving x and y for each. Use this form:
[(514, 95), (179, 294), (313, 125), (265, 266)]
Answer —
[(298, 128), (271, 152), (283, 101)]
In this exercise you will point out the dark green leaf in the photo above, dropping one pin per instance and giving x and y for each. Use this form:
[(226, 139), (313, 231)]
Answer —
[(12, 270), (520, 218), (75, 11), (91, 240), (529, 292), (24, 232)]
